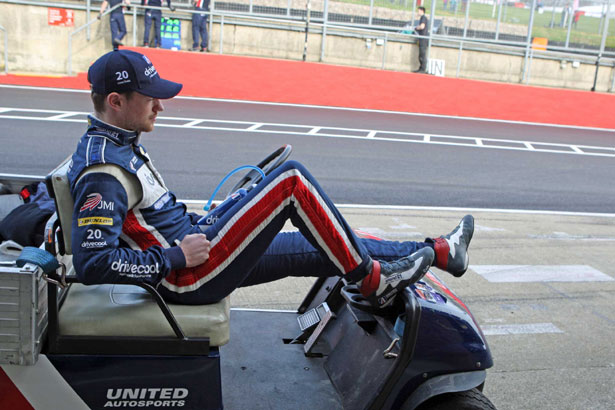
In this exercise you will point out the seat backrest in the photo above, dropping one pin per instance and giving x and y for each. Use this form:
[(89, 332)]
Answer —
[(59, 186)]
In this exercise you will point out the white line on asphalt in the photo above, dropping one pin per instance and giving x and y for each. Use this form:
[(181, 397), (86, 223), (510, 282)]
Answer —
[(60, 116), (521, 329), (192, 123), (464, 141), (324, 107), (254, 127), (453, 209), (540, 273)]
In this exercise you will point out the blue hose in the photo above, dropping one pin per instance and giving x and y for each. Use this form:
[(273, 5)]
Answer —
[(211, 199)]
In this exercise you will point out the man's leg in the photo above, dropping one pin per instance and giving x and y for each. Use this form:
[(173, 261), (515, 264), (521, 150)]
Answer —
[(114, 26), (423, 54), (121, 24), (290, 254), (157, 17), (196, 19), (147, 23), (243, 234)]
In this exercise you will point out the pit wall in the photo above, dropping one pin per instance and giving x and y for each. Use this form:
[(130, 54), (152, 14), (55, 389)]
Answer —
[(36, 47)]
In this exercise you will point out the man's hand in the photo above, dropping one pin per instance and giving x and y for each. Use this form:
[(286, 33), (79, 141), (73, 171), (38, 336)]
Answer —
[(172, 8), (99, 16), (196, 249)]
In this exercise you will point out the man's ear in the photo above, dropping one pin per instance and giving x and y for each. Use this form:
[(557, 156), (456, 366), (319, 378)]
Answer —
[(115, 101)]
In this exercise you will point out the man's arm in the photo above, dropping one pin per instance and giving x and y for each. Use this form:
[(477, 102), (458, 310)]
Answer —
[(422, 23), (103, 7), (101, 207)]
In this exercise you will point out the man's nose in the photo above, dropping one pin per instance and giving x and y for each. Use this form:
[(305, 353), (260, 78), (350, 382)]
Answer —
[(158, 106)]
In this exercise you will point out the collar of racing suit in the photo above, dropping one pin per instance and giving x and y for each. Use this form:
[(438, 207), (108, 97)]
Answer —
[(118, 135)]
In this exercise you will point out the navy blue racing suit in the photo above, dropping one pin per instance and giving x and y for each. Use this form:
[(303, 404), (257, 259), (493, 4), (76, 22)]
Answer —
[(114, 244)]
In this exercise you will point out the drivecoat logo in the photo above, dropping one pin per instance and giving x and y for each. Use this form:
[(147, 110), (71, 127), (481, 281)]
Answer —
[(95, 201), (146, 397), (126, 267)]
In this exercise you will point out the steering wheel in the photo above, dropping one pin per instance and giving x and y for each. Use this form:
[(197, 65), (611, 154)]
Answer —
[(271, 162)]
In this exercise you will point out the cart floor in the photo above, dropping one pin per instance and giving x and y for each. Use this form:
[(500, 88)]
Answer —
[(260, 371)]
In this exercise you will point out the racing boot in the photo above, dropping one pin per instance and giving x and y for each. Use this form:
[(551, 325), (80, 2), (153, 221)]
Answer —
[(452, 249), (387, 278)]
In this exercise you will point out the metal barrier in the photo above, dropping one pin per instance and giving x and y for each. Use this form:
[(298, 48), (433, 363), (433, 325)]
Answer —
[(6, 52), (85, 26), (326, 21)]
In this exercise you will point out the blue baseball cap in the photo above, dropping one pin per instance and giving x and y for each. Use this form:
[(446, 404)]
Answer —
[(126, 70)]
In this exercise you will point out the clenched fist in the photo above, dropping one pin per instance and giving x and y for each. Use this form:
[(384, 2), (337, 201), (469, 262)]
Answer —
[(196, 249)]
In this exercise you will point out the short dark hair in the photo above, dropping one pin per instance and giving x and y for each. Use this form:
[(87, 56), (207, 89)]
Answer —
[(99, 100), (423, 8)]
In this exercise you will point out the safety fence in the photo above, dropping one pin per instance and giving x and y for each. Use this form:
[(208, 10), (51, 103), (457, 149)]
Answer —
[(533, 31), (6, 43)]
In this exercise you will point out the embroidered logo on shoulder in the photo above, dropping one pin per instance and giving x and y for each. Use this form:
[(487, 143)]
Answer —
[(92, 202), (162, 201), (132, 163), (95, 201)]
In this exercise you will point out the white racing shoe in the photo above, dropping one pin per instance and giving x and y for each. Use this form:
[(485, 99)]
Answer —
[(452, 249), (398, 274)]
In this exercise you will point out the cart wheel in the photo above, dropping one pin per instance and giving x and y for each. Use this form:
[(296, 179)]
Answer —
[(465, 400)]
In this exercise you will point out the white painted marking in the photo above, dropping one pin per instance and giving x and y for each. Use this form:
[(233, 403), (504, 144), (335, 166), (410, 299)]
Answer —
[(254, 127), (446, 208), (315, 130), (479, 142), (4, 109), (60, 116), (385, 234), (576, 149), (403, 226), (480, 228), (540, 273), (192, 123), (43, 386), (563, 236), (498, 320), (324, 107), (522, 329)]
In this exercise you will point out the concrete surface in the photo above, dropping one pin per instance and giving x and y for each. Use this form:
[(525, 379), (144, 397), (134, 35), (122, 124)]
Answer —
[(569, 363)]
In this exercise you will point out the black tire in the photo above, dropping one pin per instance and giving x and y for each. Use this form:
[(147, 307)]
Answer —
[(465, 400)]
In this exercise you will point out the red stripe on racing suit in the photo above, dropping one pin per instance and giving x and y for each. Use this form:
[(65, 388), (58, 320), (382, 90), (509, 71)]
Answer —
[(253, 217)]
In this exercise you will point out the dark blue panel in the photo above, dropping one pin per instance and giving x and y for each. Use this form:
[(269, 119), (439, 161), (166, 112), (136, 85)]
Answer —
[(144, 382)]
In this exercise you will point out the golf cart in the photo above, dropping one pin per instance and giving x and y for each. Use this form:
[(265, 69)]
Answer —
[(64, 345)]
